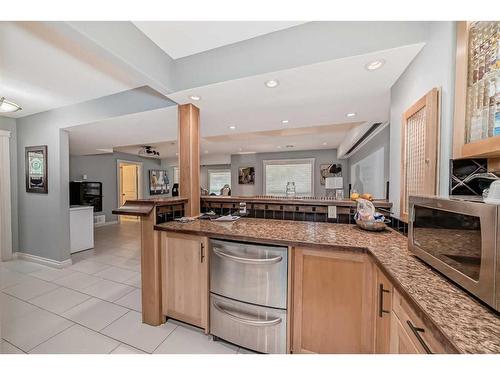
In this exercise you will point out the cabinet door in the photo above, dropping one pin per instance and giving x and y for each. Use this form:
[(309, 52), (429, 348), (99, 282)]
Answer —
[(384, 292), (332, 302), (401, 343), (185, 278)]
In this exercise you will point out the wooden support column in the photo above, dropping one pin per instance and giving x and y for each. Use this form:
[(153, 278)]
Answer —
[(189, 157)]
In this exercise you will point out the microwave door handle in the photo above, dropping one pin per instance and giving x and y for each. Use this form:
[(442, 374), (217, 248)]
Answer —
[(237, 259), (252, 322)]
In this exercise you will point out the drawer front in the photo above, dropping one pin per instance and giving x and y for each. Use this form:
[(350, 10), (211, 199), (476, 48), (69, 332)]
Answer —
[(258, 328), (249, 273)]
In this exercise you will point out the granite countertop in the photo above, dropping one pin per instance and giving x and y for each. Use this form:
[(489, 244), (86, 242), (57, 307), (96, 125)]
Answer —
[(466, 325)]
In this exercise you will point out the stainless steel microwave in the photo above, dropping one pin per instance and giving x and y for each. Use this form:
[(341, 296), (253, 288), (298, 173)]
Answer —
[(460, 239)]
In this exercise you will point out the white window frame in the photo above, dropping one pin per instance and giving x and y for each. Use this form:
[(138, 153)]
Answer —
[(209, 171), (311, 161)]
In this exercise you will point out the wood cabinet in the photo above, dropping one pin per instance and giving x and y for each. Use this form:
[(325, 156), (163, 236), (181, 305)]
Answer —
[(184, 260), (333, 299), (409, 334), (383, 305)]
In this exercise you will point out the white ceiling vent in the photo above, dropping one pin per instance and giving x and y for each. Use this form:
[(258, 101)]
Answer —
[(358, 137)]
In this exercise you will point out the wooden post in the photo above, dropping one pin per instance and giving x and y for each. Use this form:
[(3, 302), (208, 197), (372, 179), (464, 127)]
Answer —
[(151, 271), (189, 157)]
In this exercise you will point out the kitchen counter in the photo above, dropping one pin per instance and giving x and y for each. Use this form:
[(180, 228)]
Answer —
[(465, 324), (143, 207)]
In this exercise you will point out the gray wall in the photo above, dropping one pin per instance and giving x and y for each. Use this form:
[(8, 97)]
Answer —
[(43, 219), (433, 67), (256, 160), (9, 124), (382, 139), (102, 168)]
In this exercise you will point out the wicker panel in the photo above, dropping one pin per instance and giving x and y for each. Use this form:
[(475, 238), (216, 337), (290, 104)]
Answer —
[(415, 155)]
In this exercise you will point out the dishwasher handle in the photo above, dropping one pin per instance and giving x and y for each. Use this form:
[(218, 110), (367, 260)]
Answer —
[(237, 259), (252, 322)]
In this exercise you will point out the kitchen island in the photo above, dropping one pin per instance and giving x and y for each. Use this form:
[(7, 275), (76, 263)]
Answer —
[(434, 299)]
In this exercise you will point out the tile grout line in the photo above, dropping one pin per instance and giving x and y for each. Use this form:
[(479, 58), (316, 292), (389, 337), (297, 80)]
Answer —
[(28, 352), (15, 346)]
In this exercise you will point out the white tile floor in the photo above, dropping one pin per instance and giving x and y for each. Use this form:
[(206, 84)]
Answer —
[(92, 306)]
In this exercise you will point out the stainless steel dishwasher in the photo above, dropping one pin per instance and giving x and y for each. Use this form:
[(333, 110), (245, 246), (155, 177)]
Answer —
[(248, 295)]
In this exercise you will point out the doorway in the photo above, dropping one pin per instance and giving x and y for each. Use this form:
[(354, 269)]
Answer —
[(129, 174)]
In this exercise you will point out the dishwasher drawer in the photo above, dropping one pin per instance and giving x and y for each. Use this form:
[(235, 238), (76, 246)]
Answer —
[(262, 329), (249, 273)]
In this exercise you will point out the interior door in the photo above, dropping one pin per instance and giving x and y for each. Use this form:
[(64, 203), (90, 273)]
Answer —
[(129, 189)]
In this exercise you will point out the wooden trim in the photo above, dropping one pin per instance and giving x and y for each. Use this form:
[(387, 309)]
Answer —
[(461, 63), (151, 272), (494, 165), (431, 102), (485, 148), (189, 157)]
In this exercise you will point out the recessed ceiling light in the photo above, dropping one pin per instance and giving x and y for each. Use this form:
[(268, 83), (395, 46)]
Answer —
[(176, 154), (284, 121), (194, 97), (350, 114), (232, 127), (374, 65), (272, 83), (278, 146), (324, 143), (6, 106)]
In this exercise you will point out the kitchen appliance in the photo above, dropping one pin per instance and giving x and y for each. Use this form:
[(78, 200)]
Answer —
[(248, 295), (460, 239), (86, 193)]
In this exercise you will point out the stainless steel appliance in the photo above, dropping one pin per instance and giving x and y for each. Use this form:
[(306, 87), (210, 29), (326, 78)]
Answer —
[(460, 239), (248, 295)]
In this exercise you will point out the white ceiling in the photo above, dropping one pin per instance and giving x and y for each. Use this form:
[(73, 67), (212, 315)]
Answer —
[(317, 94), (309, 138), (183, 38), (44, 69), (314, 98), (138, 128)]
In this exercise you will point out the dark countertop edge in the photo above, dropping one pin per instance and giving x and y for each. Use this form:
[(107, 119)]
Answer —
[(143, 207), (443, 338), (298, 202)]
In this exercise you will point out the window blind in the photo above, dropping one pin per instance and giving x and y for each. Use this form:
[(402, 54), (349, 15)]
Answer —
[(279, 172), (217, 179)]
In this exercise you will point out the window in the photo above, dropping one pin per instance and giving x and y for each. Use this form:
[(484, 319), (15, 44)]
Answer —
[(217, 179), (277, 173)]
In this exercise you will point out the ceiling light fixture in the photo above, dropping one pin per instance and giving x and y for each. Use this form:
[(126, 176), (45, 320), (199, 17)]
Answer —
[(350, 114), (195, 97), (284, 121), (6, 106), (272, 83), (324, 143), (232, 127), (374, 65)]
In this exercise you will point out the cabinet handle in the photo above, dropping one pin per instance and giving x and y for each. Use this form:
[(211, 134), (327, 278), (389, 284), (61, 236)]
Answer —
[(416, 331), (381, 292), (202, 255)]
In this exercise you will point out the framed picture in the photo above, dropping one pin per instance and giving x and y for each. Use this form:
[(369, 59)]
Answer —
[(246, 175), (36, 169), (158, 182), (329, 170)]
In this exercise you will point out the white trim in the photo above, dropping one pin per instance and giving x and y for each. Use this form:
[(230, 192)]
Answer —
[(311, 161), (5, 198), (42, 260), (106, 223), (140, 182)]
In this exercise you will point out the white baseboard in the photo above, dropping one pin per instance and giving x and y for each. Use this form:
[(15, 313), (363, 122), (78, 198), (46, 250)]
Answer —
[(106, 223), (41, 260)]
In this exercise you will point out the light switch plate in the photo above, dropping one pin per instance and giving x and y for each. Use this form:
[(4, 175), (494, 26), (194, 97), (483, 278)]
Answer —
[(332, 212)]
